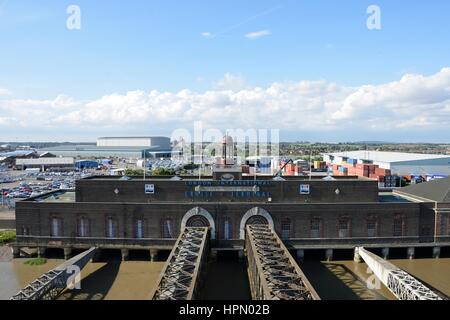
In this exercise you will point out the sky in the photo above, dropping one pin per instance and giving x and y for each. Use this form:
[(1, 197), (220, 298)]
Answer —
[(312, 69)]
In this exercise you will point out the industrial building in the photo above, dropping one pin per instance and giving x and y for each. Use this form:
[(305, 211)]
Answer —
[(120, 147), (162, 143), (133, 213), (45, 163), (402, 164)]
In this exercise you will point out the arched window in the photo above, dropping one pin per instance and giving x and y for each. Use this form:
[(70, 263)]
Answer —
[(139, 228), (56, 225), (372, 226), (285, 228), (167, 229), (399, 226), (344, 227), (83, 227), (316, 228), (111, 227), (227, 235)]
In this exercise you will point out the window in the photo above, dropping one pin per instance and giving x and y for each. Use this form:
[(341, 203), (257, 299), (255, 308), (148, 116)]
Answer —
[(111, 228), (316, 224), (83, 227), (227, 229), (167, 230), (399, 226), (25, 231), (344, 228), (285, 229), (372, 226), (139, 231), (448, 226), (56, 227)]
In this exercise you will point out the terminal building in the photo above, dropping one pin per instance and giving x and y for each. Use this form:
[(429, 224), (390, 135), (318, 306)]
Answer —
[(399, 163), (133, 213)]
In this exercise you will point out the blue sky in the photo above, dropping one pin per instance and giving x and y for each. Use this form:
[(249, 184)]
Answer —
[(129, 46)]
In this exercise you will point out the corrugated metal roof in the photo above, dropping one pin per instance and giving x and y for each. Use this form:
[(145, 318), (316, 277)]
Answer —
[(382, 156)]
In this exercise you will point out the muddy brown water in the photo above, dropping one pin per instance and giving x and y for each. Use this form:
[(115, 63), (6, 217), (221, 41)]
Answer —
[(225, 278)]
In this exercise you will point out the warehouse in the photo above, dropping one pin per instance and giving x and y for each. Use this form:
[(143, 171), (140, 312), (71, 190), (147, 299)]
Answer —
[(45, 163), (402, 164), (131, 147), (162, 143)]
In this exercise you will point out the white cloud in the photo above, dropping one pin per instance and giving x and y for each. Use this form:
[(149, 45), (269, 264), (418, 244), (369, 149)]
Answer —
[(4, 92), (414, 102), (206, 34), (257, 34), (231, 82)]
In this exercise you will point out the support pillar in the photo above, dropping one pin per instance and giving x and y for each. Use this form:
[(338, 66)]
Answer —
[(436, 252), (300, 255), (16, 252), (385, 253), (67, 253), (329, 254), (410, 253), (125, 254), (40, 252), (153, 254), (357, 256), (213, 255)]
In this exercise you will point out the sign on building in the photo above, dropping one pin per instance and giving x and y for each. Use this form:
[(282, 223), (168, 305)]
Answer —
[(304, 189), (150, 189)]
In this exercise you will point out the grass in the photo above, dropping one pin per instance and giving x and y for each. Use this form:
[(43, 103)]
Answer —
[(7, 236), (36, 262)]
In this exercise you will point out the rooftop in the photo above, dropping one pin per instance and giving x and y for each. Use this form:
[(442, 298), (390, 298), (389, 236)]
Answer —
[(382, 156), (437, 190)]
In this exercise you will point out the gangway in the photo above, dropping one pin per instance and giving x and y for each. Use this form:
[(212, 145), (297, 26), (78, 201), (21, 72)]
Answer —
[(179, 279), (273, 272), (403, 285), (51, 284)]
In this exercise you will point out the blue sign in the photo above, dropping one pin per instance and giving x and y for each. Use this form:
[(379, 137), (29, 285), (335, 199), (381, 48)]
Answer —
[(304, 189), (150, 189)]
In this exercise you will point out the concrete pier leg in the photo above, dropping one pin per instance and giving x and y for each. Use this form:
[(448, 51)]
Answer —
[(40, 252), (357, 256), (153, 254), (300, 255), (410, 253), (125, 254), (213, 255), (436, 252), (329, 254), (241, 254), (385, 253), (67, 253), (16, 252)]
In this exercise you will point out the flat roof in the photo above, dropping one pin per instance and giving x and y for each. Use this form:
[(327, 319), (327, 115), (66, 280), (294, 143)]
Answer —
[(148, 137), (383, 156)]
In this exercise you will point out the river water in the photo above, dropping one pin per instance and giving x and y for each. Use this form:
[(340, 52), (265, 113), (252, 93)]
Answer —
[(225, 278)]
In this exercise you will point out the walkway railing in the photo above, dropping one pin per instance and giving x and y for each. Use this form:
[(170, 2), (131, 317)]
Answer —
[(273, 273), (179, 279), (51, 284)]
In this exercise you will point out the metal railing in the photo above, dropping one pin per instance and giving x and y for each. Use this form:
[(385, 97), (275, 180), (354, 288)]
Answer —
[(273, 273), (179, 278)]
